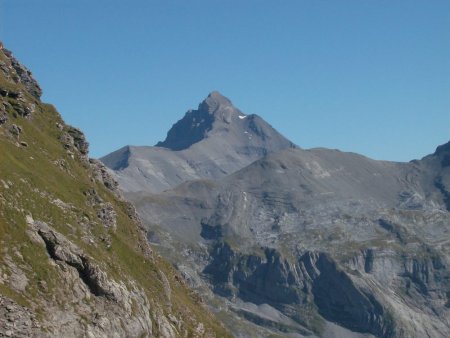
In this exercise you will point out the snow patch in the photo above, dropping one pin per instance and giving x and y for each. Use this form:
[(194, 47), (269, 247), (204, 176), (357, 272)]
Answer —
[(242, 117)]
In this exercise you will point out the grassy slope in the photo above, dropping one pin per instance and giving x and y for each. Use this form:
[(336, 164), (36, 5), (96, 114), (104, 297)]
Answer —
[(32, 178)]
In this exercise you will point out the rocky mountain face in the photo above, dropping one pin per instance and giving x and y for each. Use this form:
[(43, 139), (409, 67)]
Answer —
[(74, 258), (211, 142), (311, 243)]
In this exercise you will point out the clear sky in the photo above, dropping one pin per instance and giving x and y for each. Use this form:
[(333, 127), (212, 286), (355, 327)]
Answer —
[(369, 76)]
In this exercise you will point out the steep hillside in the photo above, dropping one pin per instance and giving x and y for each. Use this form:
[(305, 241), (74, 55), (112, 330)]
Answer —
[(74, 258), (213, 141), (316, 242)]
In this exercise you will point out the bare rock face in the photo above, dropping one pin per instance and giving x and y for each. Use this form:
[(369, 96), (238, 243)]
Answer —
[(315, 289), (210, 142), (315, 243), (3, 118), (79, 140), (108, 216), (115, 307), (60, 249), (215, 112), (196, 124), (74, 142), (15, 320), (22, 75), (443, 152), (102, 174)]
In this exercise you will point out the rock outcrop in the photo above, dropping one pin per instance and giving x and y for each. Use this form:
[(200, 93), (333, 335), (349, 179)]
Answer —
[(315, 243), (20, 74), (74, 258), (102, 174)]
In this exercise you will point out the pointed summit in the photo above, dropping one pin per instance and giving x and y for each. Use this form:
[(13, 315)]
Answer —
[(443, 153), (214, 101), (194, 126), (210, 142), (443, 149)]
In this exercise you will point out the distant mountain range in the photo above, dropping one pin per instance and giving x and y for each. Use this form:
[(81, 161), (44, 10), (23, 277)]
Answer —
[(213, 141), (290, 242)]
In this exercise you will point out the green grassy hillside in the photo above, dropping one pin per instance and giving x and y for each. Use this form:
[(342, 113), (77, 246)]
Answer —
[(56, 209)]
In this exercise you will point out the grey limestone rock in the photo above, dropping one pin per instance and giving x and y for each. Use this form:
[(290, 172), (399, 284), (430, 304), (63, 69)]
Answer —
[(61, 249), (24, 76), (73, 139), (117, 309), (3, 117), (79, 140), (15, 130), (333, 241), (15, 320), (102, 174), (210, 142), (108, 215)]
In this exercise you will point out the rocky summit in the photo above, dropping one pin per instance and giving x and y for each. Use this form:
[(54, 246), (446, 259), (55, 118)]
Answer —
[(291, 242), (211, 142), (74, 259)]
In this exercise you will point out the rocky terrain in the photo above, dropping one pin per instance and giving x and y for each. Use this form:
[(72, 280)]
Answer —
[(306, 243), (74, 258), (211, 142)]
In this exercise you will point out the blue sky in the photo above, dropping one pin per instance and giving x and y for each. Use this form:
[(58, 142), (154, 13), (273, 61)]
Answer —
[(369, 76)]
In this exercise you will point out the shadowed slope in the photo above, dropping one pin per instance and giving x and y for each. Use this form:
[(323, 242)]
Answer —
[(213, 141)]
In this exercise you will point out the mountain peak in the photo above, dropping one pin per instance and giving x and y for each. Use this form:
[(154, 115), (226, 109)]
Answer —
[(217, 96), (213, 101), (443, 152), (195, 124), (218, 122), (443, 148)]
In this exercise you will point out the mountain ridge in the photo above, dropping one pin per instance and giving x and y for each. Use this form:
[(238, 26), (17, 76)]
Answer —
[(196, 124), (210, 142), (312, 217), (304, 242)]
